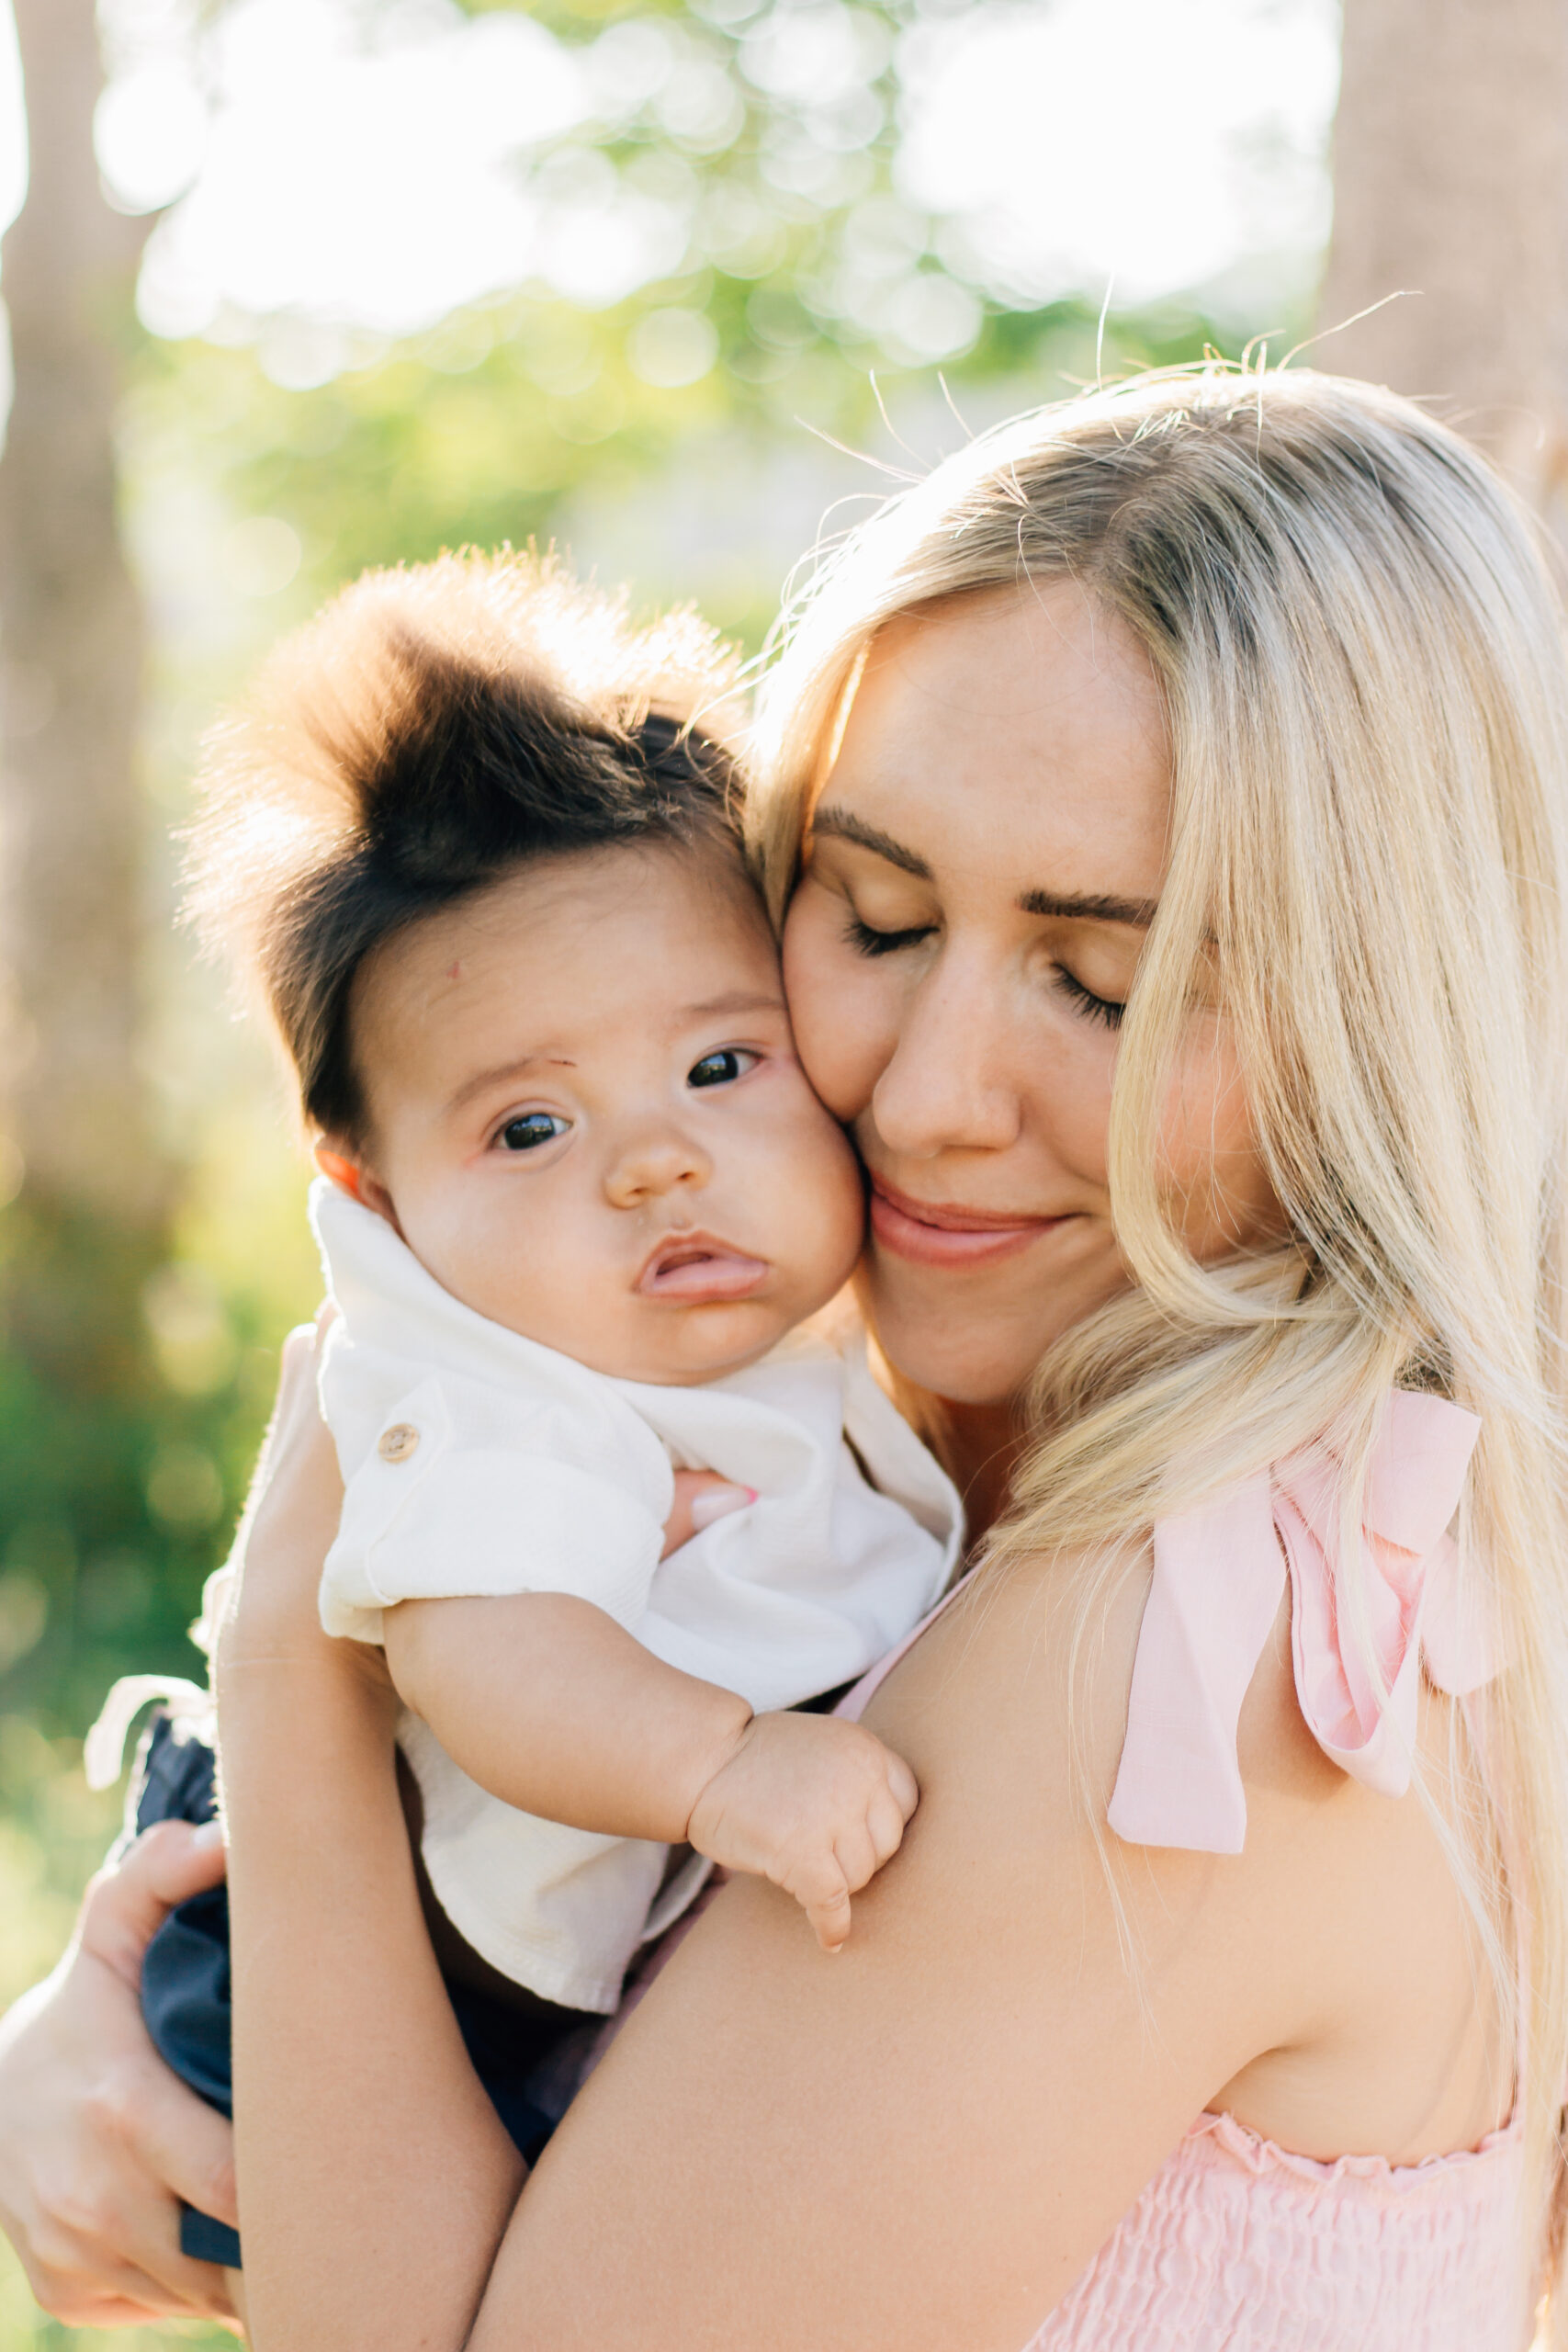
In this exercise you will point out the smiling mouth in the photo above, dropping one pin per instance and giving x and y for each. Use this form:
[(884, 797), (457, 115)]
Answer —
[(946, 1234), (698, 1269)]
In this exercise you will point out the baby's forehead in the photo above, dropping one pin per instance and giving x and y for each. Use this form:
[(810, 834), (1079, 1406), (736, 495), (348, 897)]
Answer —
[(628, 939)]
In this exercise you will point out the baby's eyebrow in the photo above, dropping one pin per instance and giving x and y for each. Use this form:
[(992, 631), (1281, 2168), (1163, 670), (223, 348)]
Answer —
[(504, 1072), (728, 1007)]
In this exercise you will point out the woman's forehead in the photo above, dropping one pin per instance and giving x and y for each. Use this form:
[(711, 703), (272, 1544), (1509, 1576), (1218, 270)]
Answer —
[(1023, 726)]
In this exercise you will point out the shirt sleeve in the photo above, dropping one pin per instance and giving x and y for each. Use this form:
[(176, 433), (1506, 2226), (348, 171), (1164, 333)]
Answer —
[(428, 1517)]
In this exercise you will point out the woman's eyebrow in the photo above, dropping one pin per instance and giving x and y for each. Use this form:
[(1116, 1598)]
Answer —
[(846, 827), (1076, 908)]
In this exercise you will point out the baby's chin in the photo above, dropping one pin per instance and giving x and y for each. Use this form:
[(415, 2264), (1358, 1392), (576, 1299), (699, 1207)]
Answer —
[(668, 1346), (682, 1347)]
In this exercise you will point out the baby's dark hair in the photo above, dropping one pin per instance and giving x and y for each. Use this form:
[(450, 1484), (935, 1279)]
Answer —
[(431, 730)]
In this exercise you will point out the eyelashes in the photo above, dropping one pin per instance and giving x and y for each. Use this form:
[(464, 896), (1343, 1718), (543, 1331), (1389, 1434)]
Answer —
[(1103, 1009), (868, 941)]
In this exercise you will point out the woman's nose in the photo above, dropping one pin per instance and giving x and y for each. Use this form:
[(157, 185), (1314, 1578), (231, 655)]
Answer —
[(653, 1164), (950, 1084)]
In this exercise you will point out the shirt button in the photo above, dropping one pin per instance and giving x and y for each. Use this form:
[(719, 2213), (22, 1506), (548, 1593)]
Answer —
[(398, 1442)]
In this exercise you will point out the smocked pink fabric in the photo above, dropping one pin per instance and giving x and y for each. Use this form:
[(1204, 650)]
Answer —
[(1235, 2244)]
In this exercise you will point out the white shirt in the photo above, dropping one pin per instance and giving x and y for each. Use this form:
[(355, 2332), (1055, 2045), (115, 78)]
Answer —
[(476, 1461)]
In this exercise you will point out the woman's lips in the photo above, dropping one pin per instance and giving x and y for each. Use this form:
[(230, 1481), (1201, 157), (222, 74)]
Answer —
[(697, 1268), (945, 1234)]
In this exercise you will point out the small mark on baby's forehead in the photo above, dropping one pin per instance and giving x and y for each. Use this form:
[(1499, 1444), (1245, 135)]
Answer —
[(455, 971)]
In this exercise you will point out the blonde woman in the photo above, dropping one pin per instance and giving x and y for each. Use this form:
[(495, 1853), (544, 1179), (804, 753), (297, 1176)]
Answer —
[(1167, 804)]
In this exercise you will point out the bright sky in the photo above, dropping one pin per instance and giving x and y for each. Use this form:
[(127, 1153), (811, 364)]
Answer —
[(369, 190)]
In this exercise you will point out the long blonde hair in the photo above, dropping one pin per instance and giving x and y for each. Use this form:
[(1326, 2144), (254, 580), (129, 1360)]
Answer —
[(1361, 655)]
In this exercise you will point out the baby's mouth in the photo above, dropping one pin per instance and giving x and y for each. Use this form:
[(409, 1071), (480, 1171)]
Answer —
[(693, 1269)]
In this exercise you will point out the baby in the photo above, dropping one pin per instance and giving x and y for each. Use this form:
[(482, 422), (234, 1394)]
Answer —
[(577, 1204)]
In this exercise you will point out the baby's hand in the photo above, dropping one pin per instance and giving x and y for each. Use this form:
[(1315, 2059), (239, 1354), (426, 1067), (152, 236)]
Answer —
[(813, 1803)]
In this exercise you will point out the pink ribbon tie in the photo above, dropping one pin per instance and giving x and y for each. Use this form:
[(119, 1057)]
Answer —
[(1219, 1576)]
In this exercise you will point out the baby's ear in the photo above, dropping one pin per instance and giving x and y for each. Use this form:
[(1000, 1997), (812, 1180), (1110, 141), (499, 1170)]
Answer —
[(345, 1173), (350, 1176)]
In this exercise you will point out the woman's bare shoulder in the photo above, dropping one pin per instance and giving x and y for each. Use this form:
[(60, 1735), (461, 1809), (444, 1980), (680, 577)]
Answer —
[(982, 2026), (1008, 1692), (1338, 1940)]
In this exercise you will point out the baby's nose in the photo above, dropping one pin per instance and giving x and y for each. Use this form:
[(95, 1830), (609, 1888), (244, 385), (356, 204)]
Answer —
[(653, 1164)]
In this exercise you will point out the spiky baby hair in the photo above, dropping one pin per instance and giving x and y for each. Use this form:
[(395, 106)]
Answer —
[(432, 729)]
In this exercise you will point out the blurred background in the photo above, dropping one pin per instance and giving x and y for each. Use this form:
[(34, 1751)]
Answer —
[(297, 285)]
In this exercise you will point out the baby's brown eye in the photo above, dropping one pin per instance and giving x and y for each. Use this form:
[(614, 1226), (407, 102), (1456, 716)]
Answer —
[(723, 1068), (526, 1134)]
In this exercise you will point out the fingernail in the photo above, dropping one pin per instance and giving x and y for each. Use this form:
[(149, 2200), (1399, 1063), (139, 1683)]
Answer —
[(210, 1833), (718, 1502)]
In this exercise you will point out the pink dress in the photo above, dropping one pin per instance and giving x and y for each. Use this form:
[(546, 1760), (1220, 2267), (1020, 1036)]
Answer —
[(1235, 2244)]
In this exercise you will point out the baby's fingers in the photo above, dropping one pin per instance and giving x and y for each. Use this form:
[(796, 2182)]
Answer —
[(905, 1789), (825, 1899), (884, 1823)]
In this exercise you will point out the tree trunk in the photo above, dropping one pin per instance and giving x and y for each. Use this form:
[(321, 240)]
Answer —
[(1451, 190), (70, 642)]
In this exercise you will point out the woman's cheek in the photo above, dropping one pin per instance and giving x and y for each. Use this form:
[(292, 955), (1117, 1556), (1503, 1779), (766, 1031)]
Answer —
[(842, 1009), (1209, 1147)]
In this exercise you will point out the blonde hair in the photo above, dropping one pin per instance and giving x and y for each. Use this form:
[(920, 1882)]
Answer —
[(1361, 653)]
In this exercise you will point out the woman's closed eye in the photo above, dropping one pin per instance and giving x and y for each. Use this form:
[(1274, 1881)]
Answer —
[(867, 941), (723, 1065), (1093, 1008), (529, 1129)]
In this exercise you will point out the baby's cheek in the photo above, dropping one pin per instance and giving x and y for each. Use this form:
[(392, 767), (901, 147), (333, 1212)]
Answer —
[(835, 1229)]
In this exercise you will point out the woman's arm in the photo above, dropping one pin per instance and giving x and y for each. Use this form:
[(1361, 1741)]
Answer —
[(374, 2177), (916, 2144), (98, 2140), (920, 2145)]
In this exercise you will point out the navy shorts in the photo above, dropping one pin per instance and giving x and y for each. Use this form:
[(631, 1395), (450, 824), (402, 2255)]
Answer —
[(185, 1997)]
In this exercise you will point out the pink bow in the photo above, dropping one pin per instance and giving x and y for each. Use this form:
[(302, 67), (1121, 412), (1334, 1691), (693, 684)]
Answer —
[(1218, 1577)]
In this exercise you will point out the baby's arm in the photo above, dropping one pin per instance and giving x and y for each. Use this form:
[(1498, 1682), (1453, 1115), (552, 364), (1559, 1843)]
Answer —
[(548, 1702)]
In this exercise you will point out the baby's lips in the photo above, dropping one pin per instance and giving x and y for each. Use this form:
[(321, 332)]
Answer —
[(718, 1502)]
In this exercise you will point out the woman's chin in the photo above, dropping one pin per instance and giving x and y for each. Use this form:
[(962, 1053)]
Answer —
[(977, 1341), (948, 1356)]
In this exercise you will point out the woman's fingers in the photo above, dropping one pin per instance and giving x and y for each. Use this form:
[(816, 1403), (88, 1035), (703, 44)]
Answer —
[(99, 2140), (126, 1904), (181, 2142), (289, 1522), (71, 2281), (701, 1496)]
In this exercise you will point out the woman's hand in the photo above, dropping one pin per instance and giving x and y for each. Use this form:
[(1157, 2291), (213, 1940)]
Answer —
[(701, 1496), (290, 1519), (99, 2140), (269, 1618)]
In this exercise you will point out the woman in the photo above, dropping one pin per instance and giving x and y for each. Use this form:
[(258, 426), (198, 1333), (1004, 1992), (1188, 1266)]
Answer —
[(1212, 734)]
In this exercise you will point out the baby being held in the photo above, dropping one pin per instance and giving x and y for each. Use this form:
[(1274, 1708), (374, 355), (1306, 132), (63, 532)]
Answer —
[(578, 1201)]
